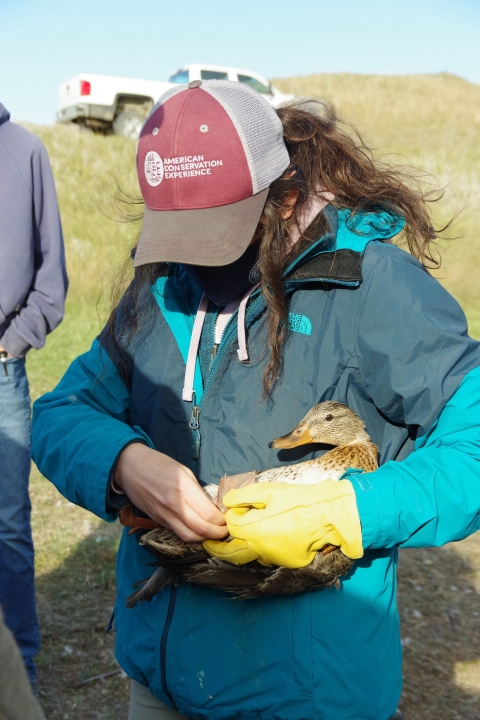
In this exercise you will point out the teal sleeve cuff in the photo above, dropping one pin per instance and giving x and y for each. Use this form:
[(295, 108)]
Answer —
[(369, 510), (368, 505)]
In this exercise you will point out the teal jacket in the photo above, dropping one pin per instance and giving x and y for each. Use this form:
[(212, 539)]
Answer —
[(369, 327)]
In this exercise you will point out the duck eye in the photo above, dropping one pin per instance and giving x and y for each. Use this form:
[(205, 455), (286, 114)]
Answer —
[(329, 417)]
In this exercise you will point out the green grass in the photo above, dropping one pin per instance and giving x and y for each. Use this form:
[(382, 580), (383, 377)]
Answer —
[(86, 169), (434, 123)]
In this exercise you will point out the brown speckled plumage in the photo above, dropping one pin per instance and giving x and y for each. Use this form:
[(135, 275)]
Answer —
[(329, 423)]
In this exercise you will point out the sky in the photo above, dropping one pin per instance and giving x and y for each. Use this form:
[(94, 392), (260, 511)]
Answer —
[(44, 41)]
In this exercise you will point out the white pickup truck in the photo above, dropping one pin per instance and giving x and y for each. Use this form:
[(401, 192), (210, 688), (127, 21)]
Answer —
[(105, 103)]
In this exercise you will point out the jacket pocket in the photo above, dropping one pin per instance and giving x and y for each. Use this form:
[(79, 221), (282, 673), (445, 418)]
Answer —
[(301, 641), (236, 658)]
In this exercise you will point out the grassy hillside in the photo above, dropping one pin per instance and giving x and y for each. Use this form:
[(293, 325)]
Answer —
[(431, 121), (86, 168)]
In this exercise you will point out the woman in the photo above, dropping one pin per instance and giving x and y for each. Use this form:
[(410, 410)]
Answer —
[(271, 231)]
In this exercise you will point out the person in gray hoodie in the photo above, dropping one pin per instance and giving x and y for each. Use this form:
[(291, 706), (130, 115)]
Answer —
[(33, 285)]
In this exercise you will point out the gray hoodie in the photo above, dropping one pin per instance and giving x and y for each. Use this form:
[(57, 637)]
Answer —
[(33, 275)]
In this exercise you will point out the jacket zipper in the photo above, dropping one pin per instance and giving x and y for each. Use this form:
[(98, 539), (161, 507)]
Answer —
[(195, 428), (194, 421), (216, 340), (163, 644), (213, 354)]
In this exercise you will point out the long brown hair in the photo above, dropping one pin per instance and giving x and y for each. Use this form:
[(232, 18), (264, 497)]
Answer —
[(330, 153)]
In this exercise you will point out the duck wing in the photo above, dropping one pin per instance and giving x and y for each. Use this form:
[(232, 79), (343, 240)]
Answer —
[(323, 572), (255, 580), (238, 579), (211, 572), (167, 547), (246, 581)]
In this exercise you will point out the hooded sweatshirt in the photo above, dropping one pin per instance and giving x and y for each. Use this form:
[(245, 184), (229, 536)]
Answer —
[(33, 275)]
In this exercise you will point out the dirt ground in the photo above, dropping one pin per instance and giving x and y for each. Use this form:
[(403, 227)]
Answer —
[(440, 612), (75, 646)]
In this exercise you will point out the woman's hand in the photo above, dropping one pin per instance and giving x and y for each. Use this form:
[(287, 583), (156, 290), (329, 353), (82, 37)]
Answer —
[(285, 525), (169, 493)]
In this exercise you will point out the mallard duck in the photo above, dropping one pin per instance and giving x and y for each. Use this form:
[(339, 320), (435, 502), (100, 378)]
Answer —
[(330, 423)]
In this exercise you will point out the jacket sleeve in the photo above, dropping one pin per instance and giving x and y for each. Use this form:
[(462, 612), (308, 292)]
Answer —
[(421, 370), (44, 305), (80, 428)]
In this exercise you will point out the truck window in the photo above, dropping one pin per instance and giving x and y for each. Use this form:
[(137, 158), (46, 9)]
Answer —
[(213, 75), (255, 84), (181, 76)]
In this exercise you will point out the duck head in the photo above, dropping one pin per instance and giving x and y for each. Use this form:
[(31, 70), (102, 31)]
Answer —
[(329, 423)]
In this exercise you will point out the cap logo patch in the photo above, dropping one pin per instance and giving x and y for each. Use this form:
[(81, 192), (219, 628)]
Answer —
[(153, 168), (188, 166)]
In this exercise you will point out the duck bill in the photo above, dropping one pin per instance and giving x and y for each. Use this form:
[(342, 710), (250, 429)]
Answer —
[(299, 436)]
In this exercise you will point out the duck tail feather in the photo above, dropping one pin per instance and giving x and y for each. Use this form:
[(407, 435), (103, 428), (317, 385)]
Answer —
[(160, 579)]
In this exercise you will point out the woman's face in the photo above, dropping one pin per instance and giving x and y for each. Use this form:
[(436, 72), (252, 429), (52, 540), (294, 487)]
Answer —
[(230, 282)]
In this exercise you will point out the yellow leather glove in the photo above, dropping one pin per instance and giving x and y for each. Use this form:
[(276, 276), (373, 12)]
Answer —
[(279, 524)]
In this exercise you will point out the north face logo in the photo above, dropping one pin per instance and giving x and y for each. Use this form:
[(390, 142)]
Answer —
[(299, 323)]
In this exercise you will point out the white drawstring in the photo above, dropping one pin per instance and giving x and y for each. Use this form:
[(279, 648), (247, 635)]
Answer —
[(187, 393), (242, 351)]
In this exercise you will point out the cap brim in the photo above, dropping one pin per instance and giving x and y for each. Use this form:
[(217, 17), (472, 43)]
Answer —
[(208, 236)]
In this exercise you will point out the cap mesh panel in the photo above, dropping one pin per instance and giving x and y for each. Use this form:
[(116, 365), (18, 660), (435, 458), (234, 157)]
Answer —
[(258, 124)]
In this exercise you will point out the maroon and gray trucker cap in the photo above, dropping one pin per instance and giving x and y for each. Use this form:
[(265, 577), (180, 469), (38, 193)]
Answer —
[(206, 157)]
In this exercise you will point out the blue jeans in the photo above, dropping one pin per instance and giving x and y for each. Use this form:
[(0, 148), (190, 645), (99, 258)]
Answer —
[(17, 585)]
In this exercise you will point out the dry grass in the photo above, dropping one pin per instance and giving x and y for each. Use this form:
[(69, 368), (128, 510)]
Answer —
[(86, 168), (76, 591), (434, 121)]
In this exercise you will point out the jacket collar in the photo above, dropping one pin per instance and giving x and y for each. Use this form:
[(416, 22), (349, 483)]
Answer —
[(337, 256)]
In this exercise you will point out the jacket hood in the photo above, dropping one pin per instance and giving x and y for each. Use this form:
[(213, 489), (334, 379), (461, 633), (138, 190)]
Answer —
[(348, 231), (4, 114)]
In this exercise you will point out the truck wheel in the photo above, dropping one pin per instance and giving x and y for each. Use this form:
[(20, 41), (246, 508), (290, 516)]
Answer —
[(128, 124)]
